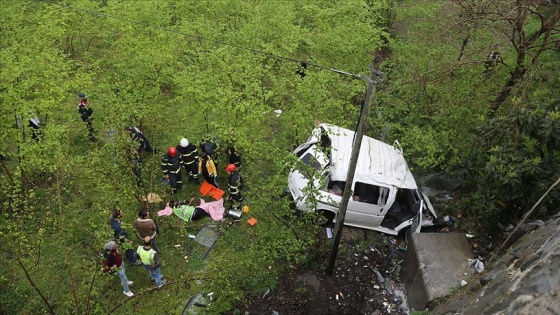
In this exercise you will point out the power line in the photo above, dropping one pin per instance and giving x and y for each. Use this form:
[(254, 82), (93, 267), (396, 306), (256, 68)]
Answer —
[(199, 37)]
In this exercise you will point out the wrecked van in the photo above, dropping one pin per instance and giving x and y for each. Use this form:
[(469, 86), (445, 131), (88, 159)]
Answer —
[(385, 196)]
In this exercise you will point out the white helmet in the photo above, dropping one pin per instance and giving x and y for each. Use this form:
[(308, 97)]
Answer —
[(184, 142)]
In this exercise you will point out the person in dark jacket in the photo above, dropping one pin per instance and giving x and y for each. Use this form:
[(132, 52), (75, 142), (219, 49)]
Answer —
[(140, 138), (233, 157), (171, 167), (122, 238), (85, 113), (189, 159), (211, 146), (234, 186)]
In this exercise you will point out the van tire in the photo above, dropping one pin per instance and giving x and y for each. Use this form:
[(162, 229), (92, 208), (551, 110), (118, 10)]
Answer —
[(324, 218), (404, 234)]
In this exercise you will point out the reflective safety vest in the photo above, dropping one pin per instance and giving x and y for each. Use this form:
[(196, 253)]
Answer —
[(171, 164), (184, 212), (189, 154), (147, 256), (234, 180)]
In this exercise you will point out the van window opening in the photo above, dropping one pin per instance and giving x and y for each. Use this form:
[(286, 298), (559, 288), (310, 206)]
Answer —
[(371, 194), (336, 187)]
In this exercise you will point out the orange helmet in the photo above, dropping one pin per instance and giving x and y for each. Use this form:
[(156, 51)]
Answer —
[(231, 168), (172, 151)]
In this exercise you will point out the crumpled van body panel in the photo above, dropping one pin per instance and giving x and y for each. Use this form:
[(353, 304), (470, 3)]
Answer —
[(385, 196)]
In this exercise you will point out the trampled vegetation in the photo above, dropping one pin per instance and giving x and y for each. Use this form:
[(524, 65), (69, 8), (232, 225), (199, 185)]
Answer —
[(188, 68)]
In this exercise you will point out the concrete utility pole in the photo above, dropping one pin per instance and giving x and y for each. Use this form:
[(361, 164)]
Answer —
[(351, 169)]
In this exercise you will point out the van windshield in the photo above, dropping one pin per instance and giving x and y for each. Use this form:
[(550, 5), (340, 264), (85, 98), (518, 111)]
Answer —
[(311, 163)]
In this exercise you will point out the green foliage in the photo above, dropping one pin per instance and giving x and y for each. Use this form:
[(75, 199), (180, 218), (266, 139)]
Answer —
[(513, 163), (186, 69), (174, 69)]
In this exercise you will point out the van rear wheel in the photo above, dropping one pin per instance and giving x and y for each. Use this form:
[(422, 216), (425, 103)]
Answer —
[(324, 218)]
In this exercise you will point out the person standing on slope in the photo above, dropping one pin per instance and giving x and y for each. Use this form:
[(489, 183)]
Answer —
[(171, 167), (189, 159)]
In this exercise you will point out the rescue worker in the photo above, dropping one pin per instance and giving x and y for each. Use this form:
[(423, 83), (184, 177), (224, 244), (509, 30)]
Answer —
[(171, 167), (234, 186), (137, 168), (135, 161), (210, 145), (189, 159), (302, 68), (207, 168), (86, 113)]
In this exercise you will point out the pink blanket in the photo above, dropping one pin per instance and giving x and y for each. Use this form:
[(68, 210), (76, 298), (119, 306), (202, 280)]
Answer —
[(166, 211), (214, 208)]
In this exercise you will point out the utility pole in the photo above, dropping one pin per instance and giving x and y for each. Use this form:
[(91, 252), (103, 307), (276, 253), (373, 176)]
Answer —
[(351, 169)]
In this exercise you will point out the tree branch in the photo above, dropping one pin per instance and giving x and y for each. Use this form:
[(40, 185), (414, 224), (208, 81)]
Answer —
[(51, 310)]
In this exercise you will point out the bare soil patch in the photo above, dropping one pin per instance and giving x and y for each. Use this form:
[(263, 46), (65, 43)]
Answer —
[(355, 286)]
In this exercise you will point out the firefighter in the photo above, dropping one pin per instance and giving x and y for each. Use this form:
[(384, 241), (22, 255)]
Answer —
[(171, 167), (189, 159), (234, 186)]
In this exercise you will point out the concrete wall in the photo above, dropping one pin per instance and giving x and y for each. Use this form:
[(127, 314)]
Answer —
[(435, 264)]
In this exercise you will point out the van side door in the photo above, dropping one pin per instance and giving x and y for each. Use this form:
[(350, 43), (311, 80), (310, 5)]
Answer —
[(367, 204)]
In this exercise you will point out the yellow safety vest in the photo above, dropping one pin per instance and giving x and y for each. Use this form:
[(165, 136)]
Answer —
[(147, 256)]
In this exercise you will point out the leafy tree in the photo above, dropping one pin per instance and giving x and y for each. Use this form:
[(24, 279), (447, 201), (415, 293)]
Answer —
[(174, 69), (513, 162)]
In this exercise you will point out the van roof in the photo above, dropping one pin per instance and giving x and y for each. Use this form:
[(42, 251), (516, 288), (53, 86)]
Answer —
[(378, 162)]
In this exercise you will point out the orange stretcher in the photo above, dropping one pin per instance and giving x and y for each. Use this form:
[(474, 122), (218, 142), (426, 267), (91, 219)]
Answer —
[(206, 189)]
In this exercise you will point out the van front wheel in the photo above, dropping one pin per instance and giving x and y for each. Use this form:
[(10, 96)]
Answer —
[(324, 218)]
